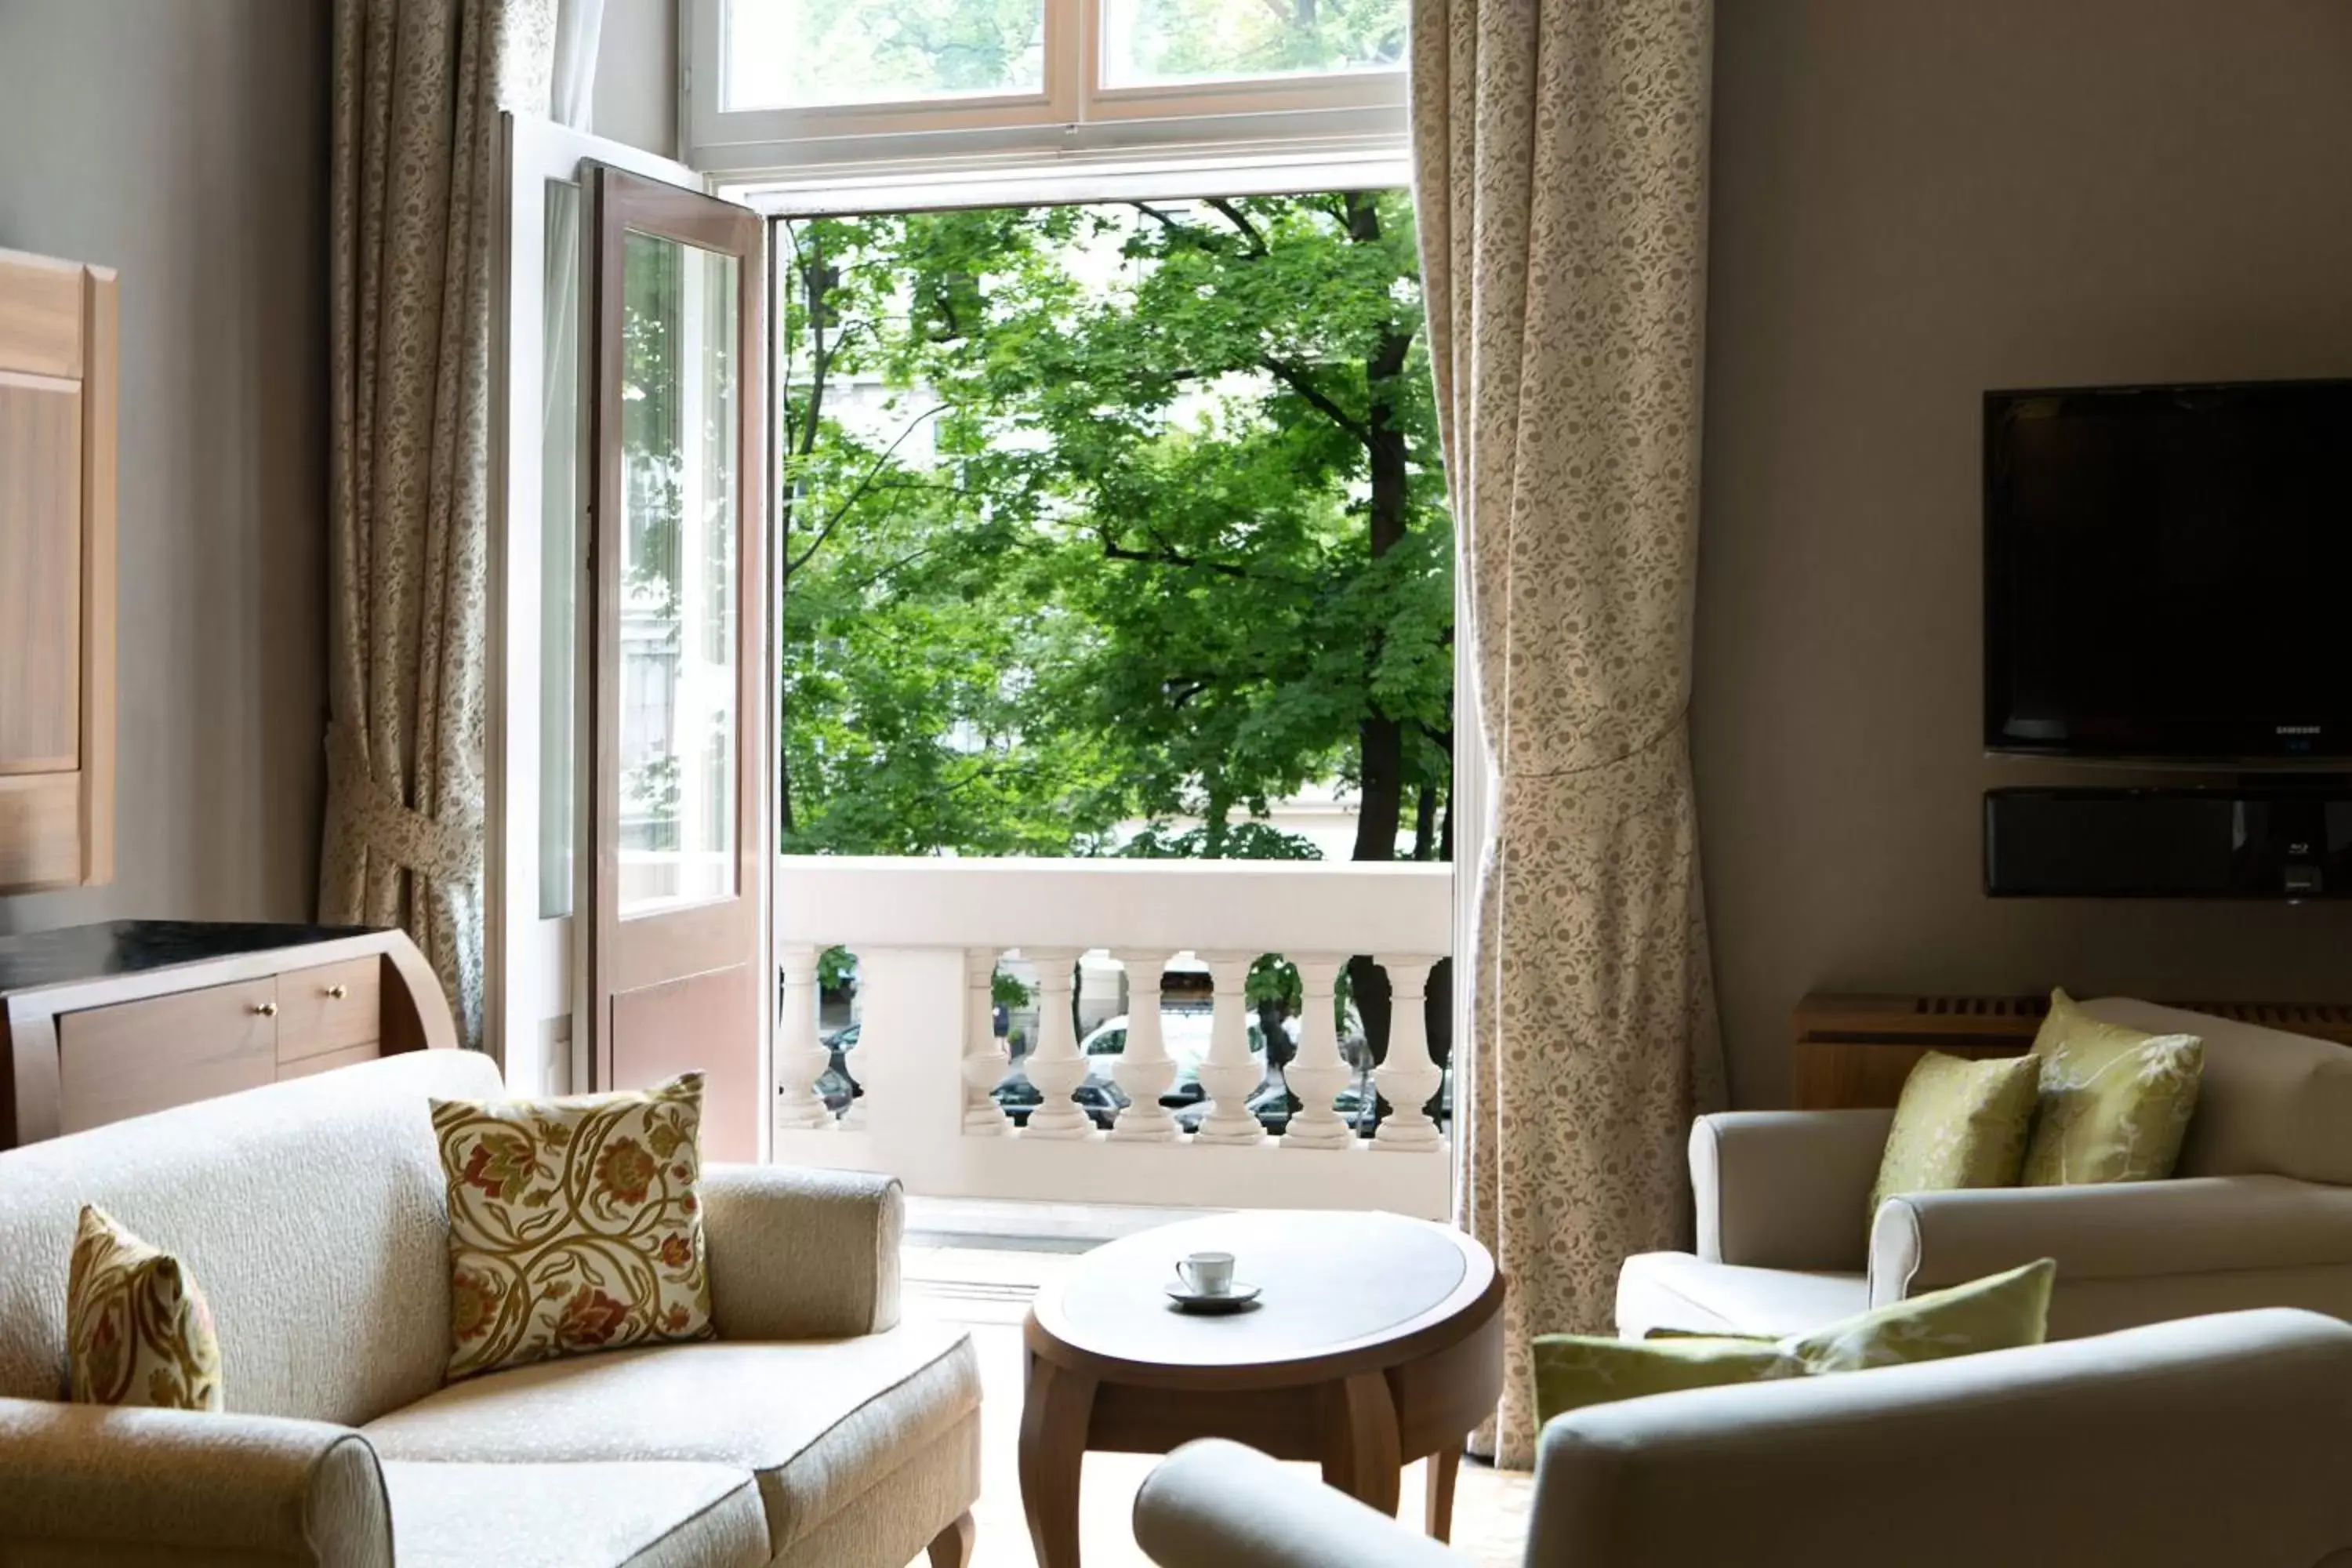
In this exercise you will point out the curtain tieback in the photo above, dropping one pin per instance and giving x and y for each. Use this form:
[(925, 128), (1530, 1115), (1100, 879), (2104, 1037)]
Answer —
[(448, 849)]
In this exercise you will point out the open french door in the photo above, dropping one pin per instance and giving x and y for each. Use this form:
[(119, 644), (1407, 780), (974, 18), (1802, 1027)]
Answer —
[(630, 832)]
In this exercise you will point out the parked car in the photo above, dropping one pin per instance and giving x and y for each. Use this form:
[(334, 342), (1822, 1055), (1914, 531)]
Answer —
[(835, 1086), (1183, 1030), (1019, 1097)]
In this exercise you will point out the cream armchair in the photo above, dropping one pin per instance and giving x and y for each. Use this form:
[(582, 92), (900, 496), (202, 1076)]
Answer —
[(2260, 1215), (2218, 1440)]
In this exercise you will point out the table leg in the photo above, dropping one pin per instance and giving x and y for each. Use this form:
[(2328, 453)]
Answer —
[(1053, 1415), (1360, 1440), (1444, 1465)]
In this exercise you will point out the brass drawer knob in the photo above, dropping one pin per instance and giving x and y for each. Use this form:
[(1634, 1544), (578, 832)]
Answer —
[(267, 1009), (337, 992)]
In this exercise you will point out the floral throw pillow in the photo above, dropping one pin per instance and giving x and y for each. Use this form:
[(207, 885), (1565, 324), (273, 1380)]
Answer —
[(137, 1329), (574, 1224), (2115, 1103)]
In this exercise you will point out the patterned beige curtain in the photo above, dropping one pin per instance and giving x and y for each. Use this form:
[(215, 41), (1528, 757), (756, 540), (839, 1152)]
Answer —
[(1560, 159), (418, 85)]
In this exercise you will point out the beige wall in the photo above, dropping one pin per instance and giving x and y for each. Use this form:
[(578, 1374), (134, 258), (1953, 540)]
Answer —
[(1916, 200), (636, 75), (184, 142)]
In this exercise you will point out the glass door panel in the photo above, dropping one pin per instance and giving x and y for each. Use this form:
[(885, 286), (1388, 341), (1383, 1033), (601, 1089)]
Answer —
[(679, 574), (678, 672)]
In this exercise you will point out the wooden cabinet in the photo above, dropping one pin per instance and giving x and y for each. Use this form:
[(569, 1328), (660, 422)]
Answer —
[(99, 1023), (57, 368)]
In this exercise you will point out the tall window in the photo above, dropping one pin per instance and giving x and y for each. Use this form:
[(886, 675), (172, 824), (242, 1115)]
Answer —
[(795, 82)]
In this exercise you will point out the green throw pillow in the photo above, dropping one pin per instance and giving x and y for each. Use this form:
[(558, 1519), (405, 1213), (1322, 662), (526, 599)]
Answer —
[(1959, 1123), (2000, 1311), (2115, 1103)]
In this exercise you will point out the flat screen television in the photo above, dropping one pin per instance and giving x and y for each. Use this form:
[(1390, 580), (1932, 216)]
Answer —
[(2168, 572)]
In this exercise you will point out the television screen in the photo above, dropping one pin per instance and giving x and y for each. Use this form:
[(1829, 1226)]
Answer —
[(2166, 570)]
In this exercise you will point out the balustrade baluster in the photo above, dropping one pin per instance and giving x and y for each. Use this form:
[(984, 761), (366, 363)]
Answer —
[(1054, 1067), (800, 1060), (1317, 1074), (984, 1053), (1407, 1077), (1145, 1071), (1231, 1075)]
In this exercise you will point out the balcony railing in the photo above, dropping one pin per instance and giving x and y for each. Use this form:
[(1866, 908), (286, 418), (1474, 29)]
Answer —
[(928, 935)]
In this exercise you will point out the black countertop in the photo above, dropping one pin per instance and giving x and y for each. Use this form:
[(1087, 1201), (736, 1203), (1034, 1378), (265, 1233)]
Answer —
[(127, 947)]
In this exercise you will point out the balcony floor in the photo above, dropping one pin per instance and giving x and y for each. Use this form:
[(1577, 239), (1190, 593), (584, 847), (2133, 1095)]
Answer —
[(962, 1267)]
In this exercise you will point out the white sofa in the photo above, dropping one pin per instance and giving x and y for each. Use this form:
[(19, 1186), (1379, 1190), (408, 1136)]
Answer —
[(815, 1431), (2221, 1440), (2260, 1214)]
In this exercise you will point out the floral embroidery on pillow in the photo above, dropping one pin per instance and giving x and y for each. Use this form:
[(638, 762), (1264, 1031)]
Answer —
[(138, 1332), (574, 1224)]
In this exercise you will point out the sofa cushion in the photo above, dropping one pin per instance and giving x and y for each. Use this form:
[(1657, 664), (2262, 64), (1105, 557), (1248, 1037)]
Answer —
[(2115, 1100), (1959, 1123), (818, 1422), (2269, 1102), (574, 1224), (311, 1210), (664, 1515), (137, 1329), (1677, 1291)]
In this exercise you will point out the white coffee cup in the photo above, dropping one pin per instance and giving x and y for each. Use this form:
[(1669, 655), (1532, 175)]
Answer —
[(1206, 1273)]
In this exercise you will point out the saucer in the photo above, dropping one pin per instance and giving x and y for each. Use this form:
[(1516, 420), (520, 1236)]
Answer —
[(1238, 1298)]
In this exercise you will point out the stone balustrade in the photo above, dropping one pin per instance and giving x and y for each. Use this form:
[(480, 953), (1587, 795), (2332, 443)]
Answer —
[(928, 935)]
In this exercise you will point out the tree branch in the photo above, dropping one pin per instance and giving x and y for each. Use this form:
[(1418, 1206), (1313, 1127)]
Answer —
[(1241, 221), (864, 484), (1295, 378)]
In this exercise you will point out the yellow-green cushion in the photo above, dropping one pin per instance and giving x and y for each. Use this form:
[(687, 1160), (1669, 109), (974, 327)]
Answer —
[(2114, 1104), (137, 1329), (1958, 1124), (574, 1224), (2000, 1311)]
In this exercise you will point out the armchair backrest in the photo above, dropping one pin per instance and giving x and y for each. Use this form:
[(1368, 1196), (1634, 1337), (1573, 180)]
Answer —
[(2270, 1103), (2208, 1440), (312, 1215)]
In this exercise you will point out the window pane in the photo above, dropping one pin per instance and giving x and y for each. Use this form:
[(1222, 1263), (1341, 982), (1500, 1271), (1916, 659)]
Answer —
[(678, 729), (1150, 42), (559, 563), (797, 54)]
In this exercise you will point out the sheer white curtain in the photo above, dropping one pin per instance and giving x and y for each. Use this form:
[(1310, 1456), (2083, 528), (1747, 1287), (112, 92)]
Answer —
[(1560, 175)]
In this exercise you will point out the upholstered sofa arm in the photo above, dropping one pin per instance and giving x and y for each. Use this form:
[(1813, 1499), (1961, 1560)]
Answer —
[(2118, 1230), (85, 1484), (2208, 1440), (1215, 1504), (800, 1253), (1786, 1189)]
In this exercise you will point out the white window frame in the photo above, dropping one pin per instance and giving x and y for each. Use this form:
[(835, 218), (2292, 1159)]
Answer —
[(1346, 114)]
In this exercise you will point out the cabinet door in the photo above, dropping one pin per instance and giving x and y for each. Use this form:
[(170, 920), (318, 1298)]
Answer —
[(57, 573), (137, 1056)]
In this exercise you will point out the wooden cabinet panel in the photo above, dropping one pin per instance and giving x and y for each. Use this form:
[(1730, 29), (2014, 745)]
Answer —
[(41, 831), (59, 323), (326, 1061), (40, 574), (41, 315), (137, 1057), (329, 1007)]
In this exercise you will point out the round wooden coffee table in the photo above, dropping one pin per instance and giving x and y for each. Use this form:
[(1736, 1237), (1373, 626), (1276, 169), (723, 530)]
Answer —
[(1378, 1341)]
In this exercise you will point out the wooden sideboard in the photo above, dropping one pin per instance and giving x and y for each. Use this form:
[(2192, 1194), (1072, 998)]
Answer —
[(102, 1022), (1856, 1051)]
